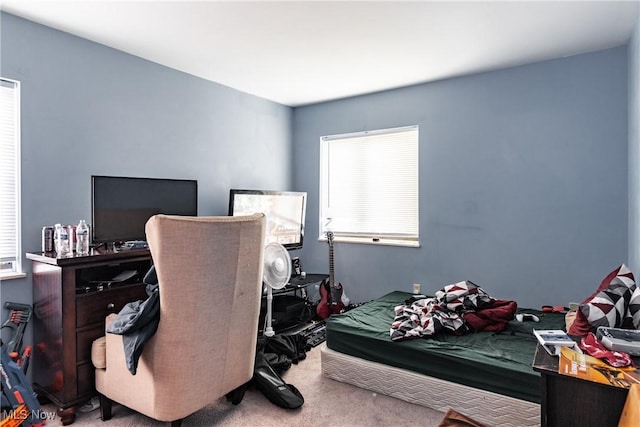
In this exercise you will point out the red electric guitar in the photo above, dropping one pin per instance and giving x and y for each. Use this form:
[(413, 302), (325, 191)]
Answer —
[(330, 293)]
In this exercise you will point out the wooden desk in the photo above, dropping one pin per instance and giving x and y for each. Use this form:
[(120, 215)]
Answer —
[(568, 401)]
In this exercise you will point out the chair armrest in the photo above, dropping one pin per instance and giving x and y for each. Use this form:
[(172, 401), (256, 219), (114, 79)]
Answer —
[(114, 348), (99, 347), (99, 353)]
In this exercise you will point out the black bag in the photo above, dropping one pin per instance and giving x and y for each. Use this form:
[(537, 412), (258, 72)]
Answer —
[(281, 351), (273, 387), (294, 346)]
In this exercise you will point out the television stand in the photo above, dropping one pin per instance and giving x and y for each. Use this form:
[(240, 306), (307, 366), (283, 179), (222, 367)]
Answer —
[(299, 283), (291, 307)]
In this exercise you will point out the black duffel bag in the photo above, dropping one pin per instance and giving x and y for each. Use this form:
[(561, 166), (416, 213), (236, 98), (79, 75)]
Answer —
[(273, 387)]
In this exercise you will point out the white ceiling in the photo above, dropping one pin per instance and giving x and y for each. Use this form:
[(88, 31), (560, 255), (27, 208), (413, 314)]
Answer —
[(302, 52)]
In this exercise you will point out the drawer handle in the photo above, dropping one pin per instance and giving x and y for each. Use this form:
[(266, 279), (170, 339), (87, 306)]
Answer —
[(111, 306)]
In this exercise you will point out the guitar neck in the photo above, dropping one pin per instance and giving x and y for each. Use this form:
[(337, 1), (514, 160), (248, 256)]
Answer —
[(331, 266), (330, 242)]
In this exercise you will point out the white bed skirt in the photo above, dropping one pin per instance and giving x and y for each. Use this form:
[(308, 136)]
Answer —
[(486, 407)]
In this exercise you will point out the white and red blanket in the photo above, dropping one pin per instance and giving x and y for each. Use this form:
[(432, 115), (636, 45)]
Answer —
[(459, 309)]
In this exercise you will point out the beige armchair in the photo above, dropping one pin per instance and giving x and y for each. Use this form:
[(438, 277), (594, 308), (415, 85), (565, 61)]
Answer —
[(210, 284)]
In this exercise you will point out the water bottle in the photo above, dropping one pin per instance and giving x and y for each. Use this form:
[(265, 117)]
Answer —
[(82, 238), (62, 240)]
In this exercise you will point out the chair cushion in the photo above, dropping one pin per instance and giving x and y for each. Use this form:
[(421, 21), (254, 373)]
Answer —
[(99, 353), (608, 307)]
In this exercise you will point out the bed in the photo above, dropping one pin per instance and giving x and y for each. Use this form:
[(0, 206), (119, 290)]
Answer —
[(486, 375)]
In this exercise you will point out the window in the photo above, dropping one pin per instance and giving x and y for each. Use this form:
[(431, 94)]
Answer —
[(9, 178), (369, 187)]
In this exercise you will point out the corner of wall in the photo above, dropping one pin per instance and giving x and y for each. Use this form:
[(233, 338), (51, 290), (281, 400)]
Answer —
[(634, 148)]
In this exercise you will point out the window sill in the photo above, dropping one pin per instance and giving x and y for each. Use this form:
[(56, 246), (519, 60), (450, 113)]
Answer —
[(10, 276), (374, 241)]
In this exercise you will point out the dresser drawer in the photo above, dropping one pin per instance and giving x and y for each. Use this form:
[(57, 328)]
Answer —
[(86, 380), (84, 340), (94, 307)]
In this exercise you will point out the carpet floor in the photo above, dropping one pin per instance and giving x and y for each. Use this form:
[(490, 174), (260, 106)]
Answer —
[(327, 403)]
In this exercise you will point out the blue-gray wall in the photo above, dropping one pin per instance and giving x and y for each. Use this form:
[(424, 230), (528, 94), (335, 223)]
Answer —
[(525, 184), (523, 180), (634, 151), (89, 109)]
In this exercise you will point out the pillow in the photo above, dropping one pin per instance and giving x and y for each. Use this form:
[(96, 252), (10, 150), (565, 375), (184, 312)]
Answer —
[(580, 325), (634, 308), (609, 307)]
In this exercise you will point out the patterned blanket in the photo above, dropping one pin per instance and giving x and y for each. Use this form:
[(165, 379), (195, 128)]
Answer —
[(459, 309)]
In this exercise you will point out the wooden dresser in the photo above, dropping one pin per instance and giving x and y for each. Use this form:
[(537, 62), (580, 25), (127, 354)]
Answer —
[(71, 298)]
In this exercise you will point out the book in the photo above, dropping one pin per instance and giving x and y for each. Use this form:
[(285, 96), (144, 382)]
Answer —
[(583, 366)]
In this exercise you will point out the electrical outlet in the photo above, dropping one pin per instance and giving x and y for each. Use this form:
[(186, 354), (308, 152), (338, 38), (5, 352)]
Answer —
[(416, 288)]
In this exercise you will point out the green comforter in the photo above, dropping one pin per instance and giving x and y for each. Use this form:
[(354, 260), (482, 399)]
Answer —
[(497, 362)]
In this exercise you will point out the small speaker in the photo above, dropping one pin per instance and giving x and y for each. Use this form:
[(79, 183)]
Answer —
[(296, 267)]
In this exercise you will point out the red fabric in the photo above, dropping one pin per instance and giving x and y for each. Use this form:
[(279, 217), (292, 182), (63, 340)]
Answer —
[(581, 326), (493, 316), (595, 348)]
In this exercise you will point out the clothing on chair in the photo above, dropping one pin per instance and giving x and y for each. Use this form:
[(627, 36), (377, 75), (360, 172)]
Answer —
[(137, 322)]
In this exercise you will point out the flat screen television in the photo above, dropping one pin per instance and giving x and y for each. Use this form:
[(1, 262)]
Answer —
[(284, 211), (121, 206)]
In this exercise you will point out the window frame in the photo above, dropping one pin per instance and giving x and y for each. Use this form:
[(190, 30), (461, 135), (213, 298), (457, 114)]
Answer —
[(11, 264), (409, 236)]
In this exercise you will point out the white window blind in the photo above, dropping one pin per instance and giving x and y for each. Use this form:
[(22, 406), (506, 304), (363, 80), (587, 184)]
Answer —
[(369, 186), (9, 177)]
